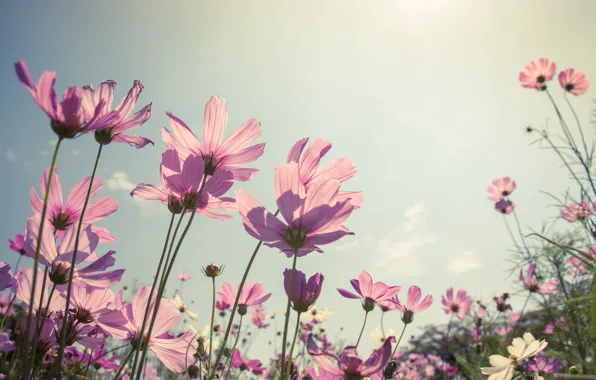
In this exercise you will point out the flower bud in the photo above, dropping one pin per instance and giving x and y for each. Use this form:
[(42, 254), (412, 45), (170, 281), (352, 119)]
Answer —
[(573, 370), (103, 136), (193, 371), (407, 317), (213, 270), (174, 205), (368, 304), (390, 370), (242, 309)]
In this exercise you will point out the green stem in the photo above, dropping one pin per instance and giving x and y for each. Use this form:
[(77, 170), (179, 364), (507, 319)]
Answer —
[(26, 365), (211, 326), (123, 364), (228, 363), (42, 311), (7, 311), (229, 328), (143, 325), (399, 340), (287, 318), (382, 327), (521, 314), (74, 261), (293, 344), (362, 329), (579, 126)]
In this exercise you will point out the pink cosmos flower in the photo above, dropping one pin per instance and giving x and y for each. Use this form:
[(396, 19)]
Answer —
[(368, 291), (5, 276), (59, 258), (500, 188), (531, 283), (304, 293), (476, 334), (254, 365), (98, 359), (387, 305), (504, 330), (459, 306), (348, 364), (310, 170), (257, 316), (18, 244), (312, 218), (183, 276), (218, 154), (580, 267), (171, 351), (578, 212), (4, 301), (63, 215), (537, 74), (540, 365), (249, 296), (500, 301), (6, 345), (68, 118), (549, 329), (84, 334), (413, 304), (504, 206), (23, 281), (47, 333), (515, 317), (126, 122), (574, 82)]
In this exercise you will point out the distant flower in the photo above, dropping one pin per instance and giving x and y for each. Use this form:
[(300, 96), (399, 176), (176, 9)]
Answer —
[(6, 344), (515, 317), (116, 130), (250, 296), (500, 188), (217, 154), (502, 306), (481, 311), (316, 315), (504, 206), (238, 361), (504, 330), (540, 364), (183, 276), (368, 291), (348, 364), (549, 329), (578, 212), (304, 293), (531, 283), (413, 304), (458, 305), (580, 267), (183, 308), (5, 276), (574, 82), (64, 215), (68, 117), (258, 317), (18, 244), (378, 335), (537, 74), (313, 218), (476, 334), (519, 350)]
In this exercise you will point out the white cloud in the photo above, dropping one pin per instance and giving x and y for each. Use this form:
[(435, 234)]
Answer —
[(119, 181), (75, 152), (404, 243), (464, 261), (10, 155)]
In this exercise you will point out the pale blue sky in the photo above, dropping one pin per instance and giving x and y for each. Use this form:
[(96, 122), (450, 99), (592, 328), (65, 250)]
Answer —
[(421, 94)]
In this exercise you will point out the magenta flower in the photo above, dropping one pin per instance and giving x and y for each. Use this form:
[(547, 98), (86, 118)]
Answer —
[(537, 74), (63, 215), (578, 212), (23, 281), (171, 351), (310, 170), (458, 306), (125, 122), (86, 335), (6, 345), (68, 118), (58, 258), (476, 334), (98, 359), (574, 82), (313, 218), (348, 365), (250, 296), (246, 365), (531, 283), (549, 329), (218, 154), (18, 244), (515, 317), (539, 364), (5, 276), (304, 293), (413, 304), (183, 276), (500, 188), (481, 312), (387, 305), (504, 206), (368, 291), (502, 306), (580, 267)]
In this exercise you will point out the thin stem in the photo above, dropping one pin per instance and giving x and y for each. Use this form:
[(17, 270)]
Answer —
[(123, 364), (564, 127), (287, 317), (382, 327), (211, 326), (167, 274), (581, 132), (448, 344), (521, 314), (229, 328), (16, 269), (293, 344), (108, 352), (513, 239), (27, 363), (165, 246), (362, 329), (39, 320), (43, 313), (7, 311), (521, 234), (398, 341), (74, 261), (225, 372)]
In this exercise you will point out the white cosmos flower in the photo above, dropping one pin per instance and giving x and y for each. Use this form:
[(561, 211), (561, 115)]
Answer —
[(378, 336), (320, 315), (181, 306), (519, 350), (205, 335)]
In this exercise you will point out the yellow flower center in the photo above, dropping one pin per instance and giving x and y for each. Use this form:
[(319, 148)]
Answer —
[(513, 357)]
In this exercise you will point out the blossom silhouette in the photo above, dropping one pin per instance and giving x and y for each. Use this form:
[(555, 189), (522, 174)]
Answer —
[(574, 82), (304, 293), (504, 206), (413, 304), (537, 74), (250, 296), (530, 282), (368, 291), (459, 305), (500, 188), (578, 212)]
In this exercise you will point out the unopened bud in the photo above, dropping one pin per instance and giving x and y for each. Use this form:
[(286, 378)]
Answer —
[(213, 270), (193, 371), (573, 370), (390, 370), (242, 310), (175, 205), (407, 317)]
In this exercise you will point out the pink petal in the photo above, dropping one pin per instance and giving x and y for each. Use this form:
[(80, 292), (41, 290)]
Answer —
[(309, 162), (214, 123), (100, 209), (133, 140), (258, 222), (241, 138), (289, 191), (77, 196), (245, 156), (296, 150), (366, 283)]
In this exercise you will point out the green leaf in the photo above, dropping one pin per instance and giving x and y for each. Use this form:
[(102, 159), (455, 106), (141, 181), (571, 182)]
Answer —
[(471, 372)]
